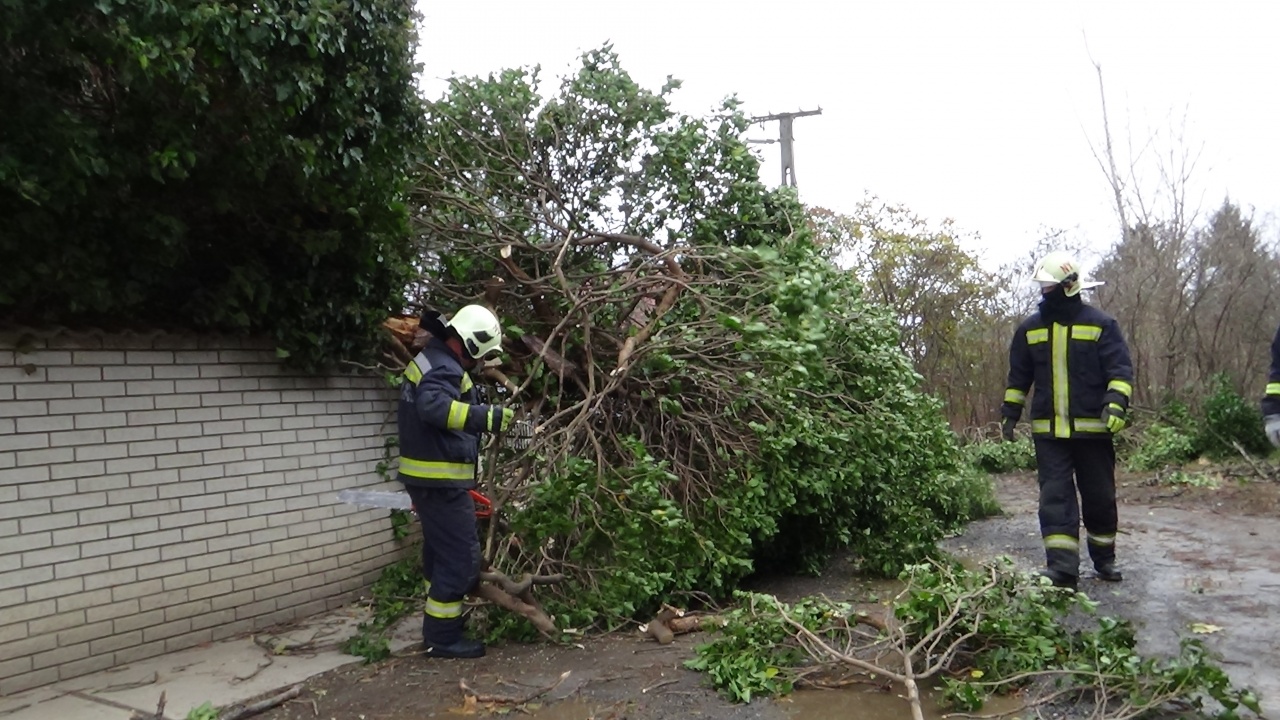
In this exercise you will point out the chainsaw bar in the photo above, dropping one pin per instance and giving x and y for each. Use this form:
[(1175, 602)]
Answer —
[(396, 500), (377, 498)]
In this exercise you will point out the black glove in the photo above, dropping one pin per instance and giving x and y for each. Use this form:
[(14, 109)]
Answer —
[(1006, 429)]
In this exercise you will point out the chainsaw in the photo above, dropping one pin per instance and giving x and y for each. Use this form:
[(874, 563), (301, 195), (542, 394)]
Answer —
[(399, 500)]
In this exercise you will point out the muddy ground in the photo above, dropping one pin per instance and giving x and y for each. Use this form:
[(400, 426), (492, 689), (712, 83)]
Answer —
[(1190, 555)]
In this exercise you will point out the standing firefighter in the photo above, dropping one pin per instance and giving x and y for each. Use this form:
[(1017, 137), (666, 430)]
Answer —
[(1078, 360), (1271, 400), (440, 425)]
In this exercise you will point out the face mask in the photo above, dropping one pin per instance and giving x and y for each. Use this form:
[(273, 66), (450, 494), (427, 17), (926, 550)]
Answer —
[(1056, 296)]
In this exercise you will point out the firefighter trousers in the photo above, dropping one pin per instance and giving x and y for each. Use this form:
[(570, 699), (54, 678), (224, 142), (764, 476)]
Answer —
[(1065, 467), (450, 558)]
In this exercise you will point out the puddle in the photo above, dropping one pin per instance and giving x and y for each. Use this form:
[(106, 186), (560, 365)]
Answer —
[(875, 705), (799, 705), (574, 710)]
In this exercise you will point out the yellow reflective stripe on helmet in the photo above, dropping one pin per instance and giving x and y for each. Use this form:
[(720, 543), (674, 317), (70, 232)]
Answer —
[(466, 382), (1015, 396), (1123, 387), (1102, 539), (444, 610), (1086, 332), (457, 415), (437, 470), (1040, 426), (1061, 383), (1273, 388), (1037, 336), (1061, 542), (1090, 425)]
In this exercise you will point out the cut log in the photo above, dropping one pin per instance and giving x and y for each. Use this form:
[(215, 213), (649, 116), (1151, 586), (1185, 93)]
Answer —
[(659, 628), (695, 623), (670, 622)]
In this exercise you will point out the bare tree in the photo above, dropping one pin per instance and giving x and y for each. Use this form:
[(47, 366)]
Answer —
[(1188, 291)]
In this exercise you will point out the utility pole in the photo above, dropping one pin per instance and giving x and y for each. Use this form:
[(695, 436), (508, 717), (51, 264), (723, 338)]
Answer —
[(785, 137)]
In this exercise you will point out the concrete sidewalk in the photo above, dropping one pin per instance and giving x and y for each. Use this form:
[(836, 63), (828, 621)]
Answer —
[(222, 673)]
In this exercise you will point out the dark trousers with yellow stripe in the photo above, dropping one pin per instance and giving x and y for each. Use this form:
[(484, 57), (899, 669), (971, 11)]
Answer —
[(450, 558), (1065, 466)]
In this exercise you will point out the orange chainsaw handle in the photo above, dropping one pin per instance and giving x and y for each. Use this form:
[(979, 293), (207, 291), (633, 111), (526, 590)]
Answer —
[(484, 506)]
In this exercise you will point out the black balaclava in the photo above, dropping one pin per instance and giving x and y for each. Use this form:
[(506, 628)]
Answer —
[(1055, 306)]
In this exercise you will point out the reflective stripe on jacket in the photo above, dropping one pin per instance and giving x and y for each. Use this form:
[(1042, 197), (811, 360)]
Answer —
[(1271, 399), (440, 422), (1077, 368)]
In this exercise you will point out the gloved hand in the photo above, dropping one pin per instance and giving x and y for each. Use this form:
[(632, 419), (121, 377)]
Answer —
[(1113, 416), (1006, 429), (507, 417), (1272, 428)]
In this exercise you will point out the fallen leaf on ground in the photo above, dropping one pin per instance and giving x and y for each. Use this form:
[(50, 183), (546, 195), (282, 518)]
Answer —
[(1204, 628), (468, 706)]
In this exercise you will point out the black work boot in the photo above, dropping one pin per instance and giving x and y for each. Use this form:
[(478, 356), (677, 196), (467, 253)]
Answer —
[(1060, 579), (461, 648), (1108, 571)]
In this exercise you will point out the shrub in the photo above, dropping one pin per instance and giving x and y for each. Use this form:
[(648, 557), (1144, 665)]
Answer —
[(208, 165), (1002, 457), (1161, 445), (1229, 418)]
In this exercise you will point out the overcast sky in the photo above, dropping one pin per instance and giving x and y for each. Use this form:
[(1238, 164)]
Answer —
[(964, 109)]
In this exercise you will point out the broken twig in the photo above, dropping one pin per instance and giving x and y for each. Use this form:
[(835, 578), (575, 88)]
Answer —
[(261, 705), (514, 699), (159, 713)]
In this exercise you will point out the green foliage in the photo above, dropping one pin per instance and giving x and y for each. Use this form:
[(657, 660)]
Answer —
[(212, 165), (1162, 445), (1225, 418), (767, 415), (390, 445), (1229, 418), (1002, 457), (750, 656), (398, 591), (972, 492), (1017, 621), (401, 523), (204, 712), (1011, 631), (640, 542), (1190, 479)]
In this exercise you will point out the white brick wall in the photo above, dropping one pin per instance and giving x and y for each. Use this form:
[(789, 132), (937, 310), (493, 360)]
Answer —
[(162, 491)]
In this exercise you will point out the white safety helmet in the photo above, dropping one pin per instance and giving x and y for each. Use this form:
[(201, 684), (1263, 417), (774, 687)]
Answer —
[(1061, 268), (478, 329)]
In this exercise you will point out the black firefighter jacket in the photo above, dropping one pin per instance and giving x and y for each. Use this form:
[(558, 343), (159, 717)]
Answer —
[(1271, 400), (440, 422), (1078, 364)]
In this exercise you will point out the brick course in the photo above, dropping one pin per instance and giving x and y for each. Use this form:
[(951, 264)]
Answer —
[(161, 491)]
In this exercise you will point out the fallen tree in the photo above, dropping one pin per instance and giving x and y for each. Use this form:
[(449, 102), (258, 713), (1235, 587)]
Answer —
[(975, 633), (706, 392)]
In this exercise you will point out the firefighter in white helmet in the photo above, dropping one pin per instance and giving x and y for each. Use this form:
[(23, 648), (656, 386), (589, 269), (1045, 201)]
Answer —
[(1078, 361), (440, 422)]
